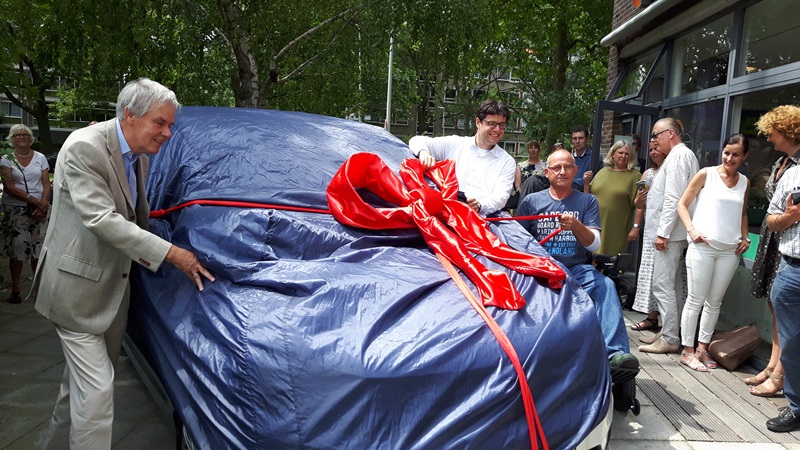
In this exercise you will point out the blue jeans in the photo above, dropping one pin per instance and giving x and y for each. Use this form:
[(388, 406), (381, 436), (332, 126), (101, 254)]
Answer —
[(606, 302), (785, 298)]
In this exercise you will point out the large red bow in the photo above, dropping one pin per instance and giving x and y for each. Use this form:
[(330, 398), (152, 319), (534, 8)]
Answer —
[(450, 227)]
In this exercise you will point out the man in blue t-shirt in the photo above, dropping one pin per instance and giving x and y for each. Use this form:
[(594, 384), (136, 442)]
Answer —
[(580, 235)]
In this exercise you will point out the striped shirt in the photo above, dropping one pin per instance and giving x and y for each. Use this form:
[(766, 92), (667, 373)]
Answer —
[(790, 238)]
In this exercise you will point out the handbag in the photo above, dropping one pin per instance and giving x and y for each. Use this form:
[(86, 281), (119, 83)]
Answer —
[(30, 208), (731, 348)]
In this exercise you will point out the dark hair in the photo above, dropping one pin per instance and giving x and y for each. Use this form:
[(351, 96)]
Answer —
[(635, 138), (738, 138), (533, 143), (581, 129), (493, 107)]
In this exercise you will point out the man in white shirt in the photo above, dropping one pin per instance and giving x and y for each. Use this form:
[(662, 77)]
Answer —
[(484, 170), (678, 169)]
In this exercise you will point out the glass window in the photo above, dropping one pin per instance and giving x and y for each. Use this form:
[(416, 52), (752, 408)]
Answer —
[(9, 109), (702, 125), (637, 71), (771, 33), (748, 109), (701, 57)]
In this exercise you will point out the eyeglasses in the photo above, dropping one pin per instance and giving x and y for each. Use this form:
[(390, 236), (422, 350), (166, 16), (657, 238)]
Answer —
[(654, 136), (492, 124), (20, 135), (559, 169)]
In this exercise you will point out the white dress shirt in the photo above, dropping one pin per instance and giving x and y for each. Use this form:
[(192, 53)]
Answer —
[(485, 175), (672, 179)]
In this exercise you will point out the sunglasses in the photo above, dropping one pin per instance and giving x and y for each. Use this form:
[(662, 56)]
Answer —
[(654, 136)]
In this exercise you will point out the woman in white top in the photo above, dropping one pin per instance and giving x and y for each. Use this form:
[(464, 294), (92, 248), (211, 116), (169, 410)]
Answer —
[(717, 235), (26, 199)]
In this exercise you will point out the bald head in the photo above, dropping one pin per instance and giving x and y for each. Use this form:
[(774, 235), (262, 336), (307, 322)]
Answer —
[(559, 154), (667, 132)]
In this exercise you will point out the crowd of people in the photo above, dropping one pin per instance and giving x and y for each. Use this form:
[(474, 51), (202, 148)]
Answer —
[(692, 223), (99, 203)]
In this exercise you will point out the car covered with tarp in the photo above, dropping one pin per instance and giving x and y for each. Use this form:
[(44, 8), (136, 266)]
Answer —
[(336, 321)]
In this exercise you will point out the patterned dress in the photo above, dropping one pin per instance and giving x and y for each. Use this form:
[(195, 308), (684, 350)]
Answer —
[(645, 301)]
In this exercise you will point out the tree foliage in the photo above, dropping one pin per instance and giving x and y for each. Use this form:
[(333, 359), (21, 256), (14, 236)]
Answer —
[(327, 57), (562, 66)]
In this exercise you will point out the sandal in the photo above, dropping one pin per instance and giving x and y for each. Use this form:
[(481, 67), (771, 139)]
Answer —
[(645, 324), (777, 384), (694, 362), (706, 359), (759, 378)]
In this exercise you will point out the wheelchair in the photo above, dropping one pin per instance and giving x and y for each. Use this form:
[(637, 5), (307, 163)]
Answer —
[(623, 381)]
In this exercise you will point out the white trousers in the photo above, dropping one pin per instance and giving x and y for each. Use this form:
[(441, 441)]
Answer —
[(665, 266), (84, 412), (710, 272)]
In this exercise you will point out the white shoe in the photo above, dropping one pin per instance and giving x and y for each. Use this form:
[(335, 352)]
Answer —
[(660, 346), (649, 338)]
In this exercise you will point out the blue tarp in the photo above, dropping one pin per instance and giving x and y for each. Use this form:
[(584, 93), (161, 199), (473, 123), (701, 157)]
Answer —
[(321, 336)]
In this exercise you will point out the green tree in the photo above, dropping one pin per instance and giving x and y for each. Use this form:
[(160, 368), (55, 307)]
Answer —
[(28, 54), (561, 63)]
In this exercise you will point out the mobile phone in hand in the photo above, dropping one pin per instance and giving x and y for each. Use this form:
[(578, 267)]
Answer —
[(641, 185), (795, 196)]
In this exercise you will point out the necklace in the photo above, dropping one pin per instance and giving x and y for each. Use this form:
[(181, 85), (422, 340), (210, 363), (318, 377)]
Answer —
[(730, 182), (23, 156)]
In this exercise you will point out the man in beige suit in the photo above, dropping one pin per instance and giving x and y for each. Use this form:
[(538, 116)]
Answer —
[(98, 226)]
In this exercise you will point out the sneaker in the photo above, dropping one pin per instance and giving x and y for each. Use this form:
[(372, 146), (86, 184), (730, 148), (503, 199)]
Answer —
[(787, 420), (649, 339), (660, 346)]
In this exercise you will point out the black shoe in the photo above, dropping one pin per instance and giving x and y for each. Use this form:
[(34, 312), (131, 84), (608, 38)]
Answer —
[(787, 420), (15, 298)]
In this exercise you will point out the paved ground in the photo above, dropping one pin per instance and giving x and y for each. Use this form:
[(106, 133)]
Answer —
[(711, 407), (31, 364)]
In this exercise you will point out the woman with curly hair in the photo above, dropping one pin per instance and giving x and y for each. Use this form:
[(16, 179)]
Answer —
[(782, 128)]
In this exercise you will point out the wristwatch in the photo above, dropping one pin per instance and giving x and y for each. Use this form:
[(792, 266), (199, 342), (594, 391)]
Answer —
[(747, 239), (636, 225)]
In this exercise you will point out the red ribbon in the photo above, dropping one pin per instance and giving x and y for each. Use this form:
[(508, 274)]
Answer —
[(450, 227)]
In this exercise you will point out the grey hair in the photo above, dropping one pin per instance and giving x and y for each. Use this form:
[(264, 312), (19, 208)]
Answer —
[(141, 95), (609, 159), (14, 129)]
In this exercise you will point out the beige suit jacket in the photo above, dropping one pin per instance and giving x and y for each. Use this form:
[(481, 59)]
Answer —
[(94, 233)]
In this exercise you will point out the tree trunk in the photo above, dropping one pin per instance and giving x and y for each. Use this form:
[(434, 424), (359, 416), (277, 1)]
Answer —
[(560, 63), (42, 115), (245, 80)]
